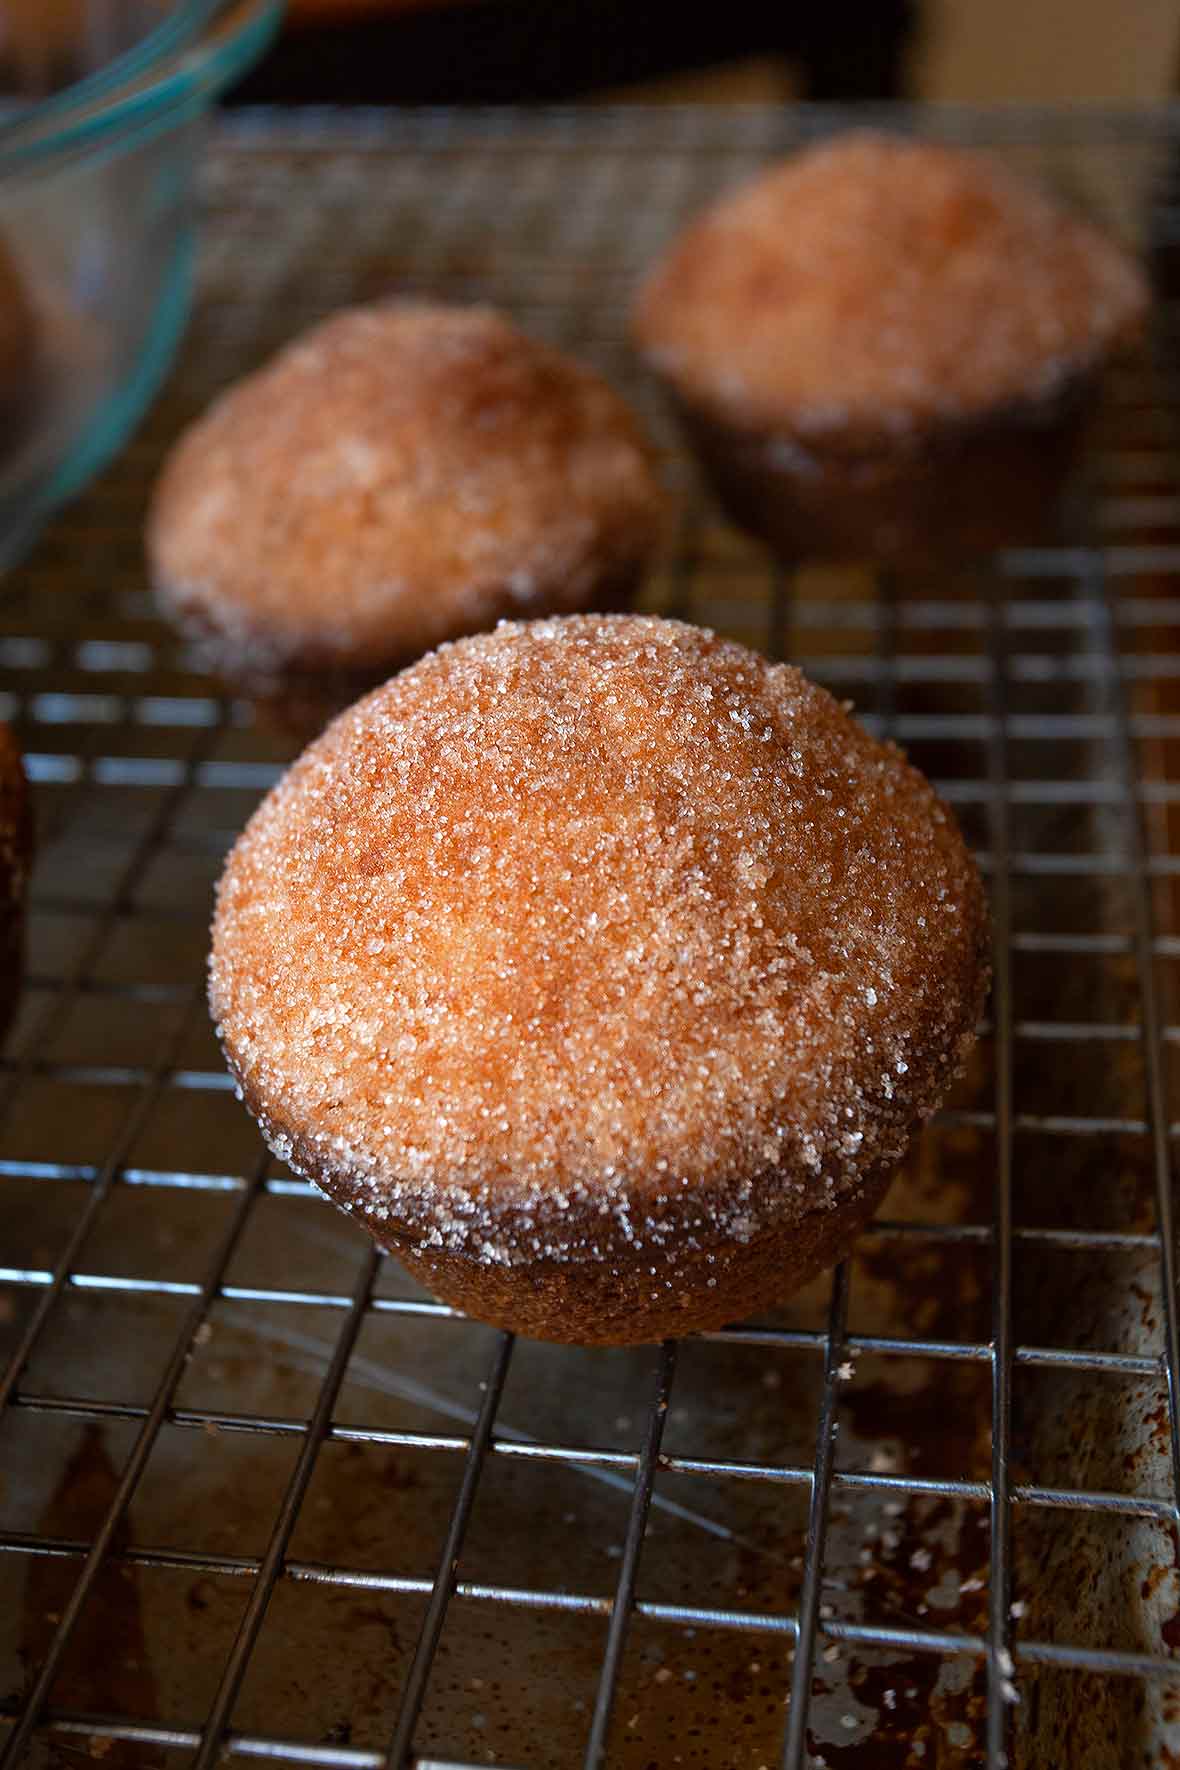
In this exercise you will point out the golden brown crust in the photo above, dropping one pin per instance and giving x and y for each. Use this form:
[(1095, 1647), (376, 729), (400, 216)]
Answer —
[(16, 848), (599, 944), (872, 286), (401, 475)]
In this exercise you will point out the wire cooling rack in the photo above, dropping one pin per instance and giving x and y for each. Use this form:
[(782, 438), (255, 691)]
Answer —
[(264, 1498)]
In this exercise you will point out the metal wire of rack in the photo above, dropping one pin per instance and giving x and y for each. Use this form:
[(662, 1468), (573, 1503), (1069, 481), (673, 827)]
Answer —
[(192, 1468)]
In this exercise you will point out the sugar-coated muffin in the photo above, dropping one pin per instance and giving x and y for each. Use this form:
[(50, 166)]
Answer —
[(602, 970), (401, 475), (884, 348), (16, 846)]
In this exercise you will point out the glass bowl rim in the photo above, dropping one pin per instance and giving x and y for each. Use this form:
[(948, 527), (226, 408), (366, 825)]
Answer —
[(196, 50)]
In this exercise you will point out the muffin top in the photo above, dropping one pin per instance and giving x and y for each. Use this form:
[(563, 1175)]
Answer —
[(402, 474), (595, 917), (873, 284)]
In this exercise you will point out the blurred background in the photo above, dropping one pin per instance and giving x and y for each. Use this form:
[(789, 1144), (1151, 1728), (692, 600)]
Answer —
[(503, 51)]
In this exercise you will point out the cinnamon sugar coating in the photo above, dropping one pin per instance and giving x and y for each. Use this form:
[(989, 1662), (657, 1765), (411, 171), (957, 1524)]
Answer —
[(872, 284), (403, 474), (603, 969)]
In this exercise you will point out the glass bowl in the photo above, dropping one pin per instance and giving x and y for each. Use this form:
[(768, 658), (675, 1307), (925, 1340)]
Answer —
[(102, 109)]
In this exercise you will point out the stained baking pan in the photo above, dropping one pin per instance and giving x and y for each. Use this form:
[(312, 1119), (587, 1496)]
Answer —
[(260, 1496)]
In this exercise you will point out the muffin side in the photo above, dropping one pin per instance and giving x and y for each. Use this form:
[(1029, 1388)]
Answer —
[(961, 488)]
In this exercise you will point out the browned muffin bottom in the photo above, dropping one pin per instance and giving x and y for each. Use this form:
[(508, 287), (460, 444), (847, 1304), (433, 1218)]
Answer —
[(602, 969), (16, 847), (962, 490), (401, 475), (887, 348)]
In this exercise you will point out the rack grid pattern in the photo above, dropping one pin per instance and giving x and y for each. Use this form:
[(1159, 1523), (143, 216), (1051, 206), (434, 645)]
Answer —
[(1041, 692)]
